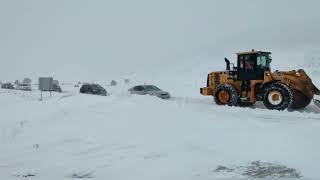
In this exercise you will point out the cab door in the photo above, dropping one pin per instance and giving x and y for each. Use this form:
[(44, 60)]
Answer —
[(247, 67)]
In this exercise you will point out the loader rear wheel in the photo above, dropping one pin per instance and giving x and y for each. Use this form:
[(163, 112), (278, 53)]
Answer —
[(278, 96), (300, 100), (226, 94)]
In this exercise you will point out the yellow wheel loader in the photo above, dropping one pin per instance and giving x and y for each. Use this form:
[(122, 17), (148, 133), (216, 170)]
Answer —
[(251, 80)]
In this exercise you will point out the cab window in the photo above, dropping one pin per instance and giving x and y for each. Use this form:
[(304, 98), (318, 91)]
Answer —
[(263, 61), (241, 62)]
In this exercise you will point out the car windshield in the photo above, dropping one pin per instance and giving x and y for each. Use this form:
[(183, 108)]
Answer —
[(152, 88)]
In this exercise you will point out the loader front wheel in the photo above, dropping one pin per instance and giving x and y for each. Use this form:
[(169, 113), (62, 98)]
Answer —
[(278, 96), (226, 94)]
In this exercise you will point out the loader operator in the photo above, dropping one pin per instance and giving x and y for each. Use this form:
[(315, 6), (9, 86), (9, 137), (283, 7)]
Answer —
[(248, 66)]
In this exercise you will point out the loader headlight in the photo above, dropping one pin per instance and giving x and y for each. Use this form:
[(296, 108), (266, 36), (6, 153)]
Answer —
[(298, 74)]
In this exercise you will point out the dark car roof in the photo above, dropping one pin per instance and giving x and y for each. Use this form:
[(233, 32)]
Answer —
[(144, 85), (95, 85)]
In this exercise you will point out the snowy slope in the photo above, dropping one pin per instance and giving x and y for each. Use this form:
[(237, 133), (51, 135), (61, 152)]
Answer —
[(124, 136)]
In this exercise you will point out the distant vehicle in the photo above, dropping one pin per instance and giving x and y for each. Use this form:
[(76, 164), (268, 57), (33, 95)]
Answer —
[(95, 89), (149, 90), (26, 81), (17, 83), (127, 81), (7, 86), (56, 88), (113, 83), (25, 87), (77, 85)]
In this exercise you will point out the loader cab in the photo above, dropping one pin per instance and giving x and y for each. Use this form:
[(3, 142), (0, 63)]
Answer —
[(252, 65)]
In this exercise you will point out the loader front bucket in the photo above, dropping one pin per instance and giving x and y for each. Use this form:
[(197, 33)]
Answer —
[(316, 91), (303, 83), (316, 102)]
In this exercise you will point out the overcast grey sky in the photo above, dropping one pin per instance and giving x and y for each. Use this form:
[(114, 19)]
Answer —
[(73, 39)]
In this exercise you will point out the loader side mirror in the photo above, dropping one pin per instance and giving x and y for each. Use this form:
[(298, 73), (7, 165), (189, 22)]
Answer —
[(227, 63)]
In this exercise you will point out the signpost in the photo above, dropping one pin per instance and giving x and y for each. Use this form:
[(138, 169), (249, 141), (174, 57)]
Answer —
[(45, 84)]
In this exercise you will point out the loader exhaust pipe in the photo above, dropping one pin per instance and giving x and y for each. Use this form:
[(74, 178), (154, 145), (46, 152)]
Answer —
[(227, 63)]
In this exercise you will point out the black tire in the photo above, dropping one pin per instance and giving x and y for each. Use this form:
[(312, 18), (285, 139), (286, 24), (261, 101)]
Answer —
[(232, 93), (300, 100), (284, 94)]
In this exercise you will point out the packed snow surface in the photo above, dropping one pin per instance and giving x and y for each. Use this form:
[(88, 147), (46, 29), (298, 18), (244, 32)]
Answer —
[(124, 136)]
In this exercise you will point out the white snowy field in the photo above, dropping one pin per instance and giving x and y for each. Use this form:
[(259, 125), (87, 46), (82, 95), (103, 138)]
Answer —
[(125, 136), (171, 44)]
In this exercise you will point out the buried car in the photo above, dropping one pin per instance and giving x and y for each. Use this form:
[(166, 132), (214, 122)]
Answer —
[(95, 89), (25, 87), (56, 88), (7, 86), (149, 90)]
